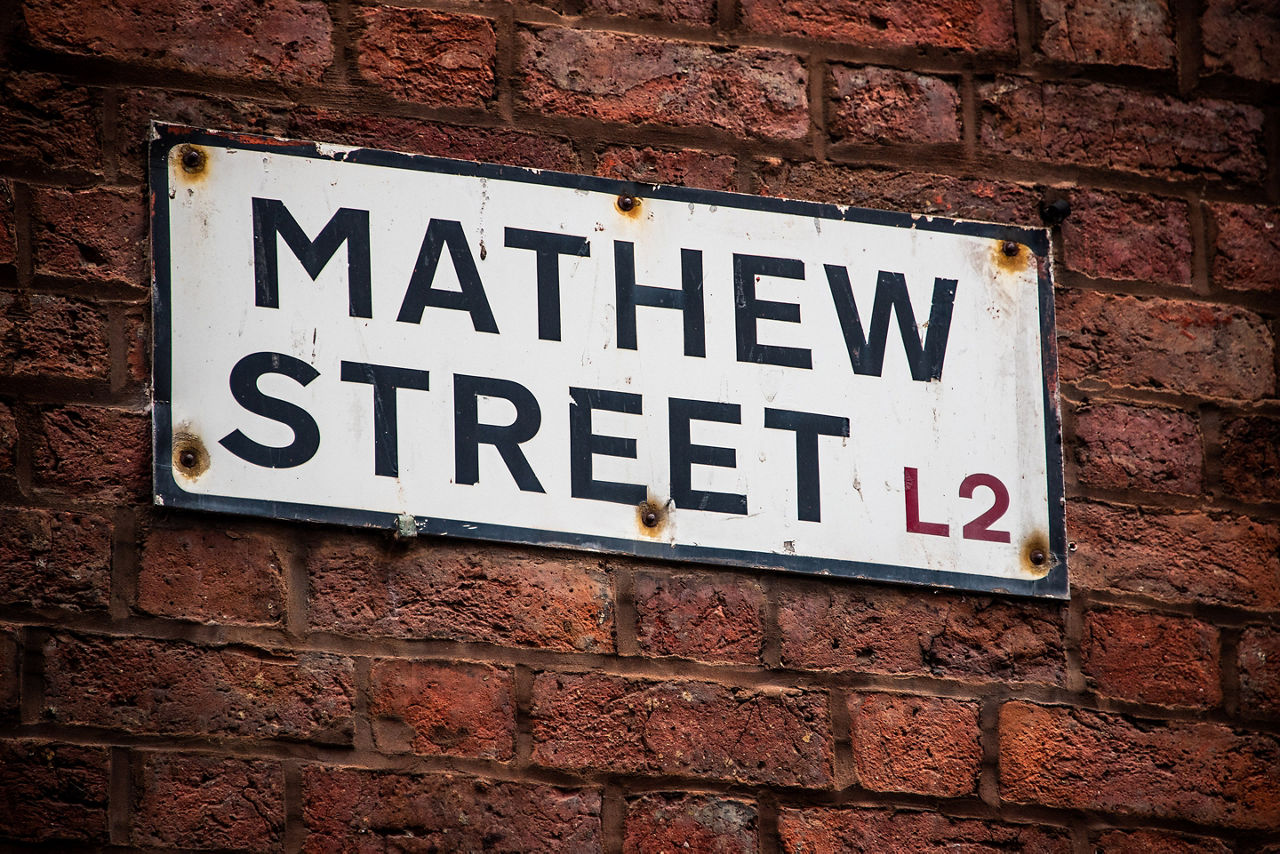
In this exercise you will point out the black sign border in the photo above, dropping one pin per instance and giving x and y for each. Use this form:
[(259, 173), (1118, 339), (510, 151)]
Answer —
[(165, 137)]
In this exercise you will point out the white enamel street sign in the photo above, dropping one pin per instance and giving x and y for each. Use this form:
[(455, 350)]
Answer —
[(367, 338)]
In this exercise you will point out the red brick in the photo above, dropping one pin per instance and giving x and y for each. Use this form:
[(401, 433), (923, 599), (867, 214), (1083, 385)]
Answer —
[(493, 145), (144, 686), (662, 823), (1100, 235), (772, 737), (1148, 841), (8, 226), (1119, 446), (46, 335), (674, 11), (437, 708), (1151, 658), (835, 830), (48, 122), (923, 745), (53, 792), (1251, 458), (93, 452), (881, 105), (209, 802), (1078, 759), (1129, 32), (8, 440), (349, 810), (213, 575), (1122, 129), (1164, 344), (1247, 252), (290, 40), (51, 559), (633, 79), (10, 682), (891, 631), (893, 189), (138, 344), (1175, 556), (137, 108), (687, 167), (461, 591), (973, 25), (1242, 38), (1258, 668), (428, 57), (99, 234), (711, 617)]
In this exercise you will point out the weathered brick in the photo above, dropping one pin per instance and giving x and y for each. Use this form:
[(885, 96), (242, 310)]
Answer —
[(8, 440), (428, 57), (882, 105), (93, 452), (461, 591), (972, 25), (661, 823), (1119, 446), (53, 792), (674, 11), (215, 575), (835, 830), (48, 335), (48, 122), (176, 688), (883, 630), (1251, 458), (438, 708), (1175, 556), (1123, 32), (688, 167), (774, 737), (1174, 345), (1122, 129), (290, 40), (1242, 38), (1258, 668), (10, 682), (916, 192), (1151, 658), (493, 145), (138, 346), (632, 79), (52, 559), (716, 617), (924, 745), (1100, 235), (209, 802), (348, 810), (99, 234), (1247, 250), (8, 226), (1079, 759), (1148, 841)]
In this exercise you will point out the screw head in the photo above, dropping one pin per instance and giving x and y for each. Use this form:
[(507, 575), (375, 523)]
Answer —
[(1037, 557), (650, 518), (1010, 249), (187, 458), (627, 203), (192, 159)]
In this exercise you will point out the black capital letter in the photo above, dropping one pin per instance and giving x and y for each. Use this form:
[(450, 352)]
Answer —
[(270, 217), (385, 380), (808, 426), (749, 309), (685, 454), (549, 247), (442, 233), (244, 388), (687, 300), (583, 444), (867, 356), (469, 433)]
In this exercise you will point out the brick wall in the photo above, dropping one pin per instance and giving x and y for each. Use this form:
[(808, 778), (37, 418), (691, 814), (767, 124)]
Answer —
[(176, 681)]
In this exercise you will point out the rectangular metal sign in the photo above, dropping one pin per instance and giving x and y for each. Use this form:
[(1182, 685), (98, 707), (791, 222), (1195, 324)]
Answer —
[(368, 338)]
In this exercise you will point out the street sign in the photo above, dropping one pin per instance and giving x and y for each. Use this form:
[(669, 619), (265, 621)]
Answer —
[(440, 347)]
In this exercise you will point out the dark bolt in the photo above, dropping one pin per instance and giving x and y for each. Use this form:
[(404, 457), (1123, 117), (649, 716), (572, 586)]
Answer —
[(187, 458), (1055, 212), (1037, 557), (650, 518), (626, 203), (192, 159), (1010, 248)]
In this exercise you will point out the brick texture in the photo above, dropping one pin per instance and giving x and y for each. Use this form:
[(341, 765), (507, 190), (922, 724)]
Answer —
[(53, 792), (8, 440), (54, 559), (924, 745), (93, 452), (209, 802), (351, 810), (1251, 458), (1247, 251), (8, 225), (1132, 32), (1099, 236), (49, 123), (46, 335), (1258, 669), (708, 617), (1141, 841), (97, 234), (972, 25), (1078, 759), (881, 105), (658, 166), (689, 728), (10, 681), (434, 708), (213, 576), (1242, 39), (430, 57), (1151, 658), (1118, 446), (661, 823), (830, 830)]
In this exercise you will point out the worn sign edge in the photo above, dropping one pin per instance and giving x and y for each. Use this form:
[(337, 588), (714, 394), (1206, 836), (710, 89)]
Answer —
[(166, 136)]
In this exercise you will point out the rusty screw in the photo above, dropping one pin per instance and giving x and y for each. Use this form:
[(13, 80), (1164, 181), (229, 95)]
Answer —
[(626, 203), (192, 159), (1010, 248), (1037, 557), (649, 517), (187, 458)]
